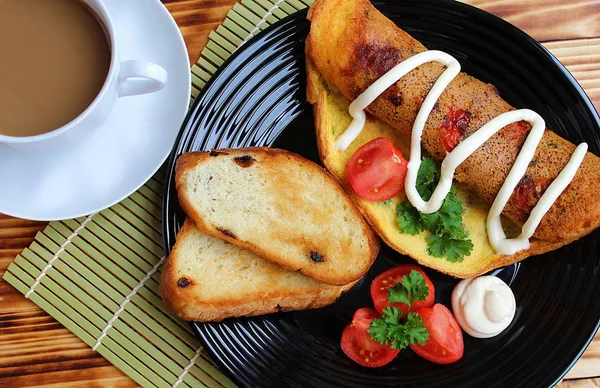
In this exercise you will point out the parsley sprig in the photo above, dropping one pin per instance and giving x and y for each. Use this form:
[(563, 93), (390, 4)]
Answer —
[(389, 329), (412, 288), (447, 238)]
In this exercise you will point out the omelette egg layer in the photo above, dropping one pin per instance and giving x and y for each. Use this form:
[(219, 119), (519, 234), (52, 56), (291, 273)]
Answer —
[(331, 119)]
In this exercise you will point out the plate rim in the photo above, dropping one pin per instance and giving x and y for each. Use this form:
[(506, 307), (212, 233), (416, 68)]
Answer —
[(169, 239)]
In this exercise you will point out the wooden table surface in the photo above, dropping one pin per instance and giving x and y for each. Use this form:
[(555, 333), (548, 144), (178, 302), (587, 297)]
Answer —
[(35, 350)]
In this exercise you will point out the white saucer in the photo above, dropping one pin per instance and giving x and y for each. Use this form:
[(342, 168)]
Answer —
[(121, 155)]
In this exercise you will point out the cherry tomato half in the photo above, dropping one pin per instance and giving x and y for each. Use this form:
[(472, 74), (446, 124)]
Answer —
[(376, 171), (445, 344), (358, 344), (389, 278)]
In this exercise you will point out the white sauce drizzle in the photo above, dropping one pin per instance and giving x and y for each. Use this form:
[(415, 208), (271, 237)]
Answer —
[(464, 149)]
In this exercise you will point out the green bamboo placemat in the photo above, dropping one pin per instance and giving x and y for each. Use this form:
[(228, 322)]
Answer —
[(99, 275)]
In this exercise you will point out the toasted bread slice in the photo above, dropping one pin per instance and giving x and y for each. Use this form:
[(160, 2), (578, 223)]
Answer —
[(207, 279), (280, 206), (331, 119)]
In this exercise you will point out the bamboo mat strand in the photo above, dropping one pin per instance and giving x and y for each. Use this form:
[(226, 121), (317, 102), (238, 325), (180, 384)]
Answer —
[(243, 21), (99, 275)]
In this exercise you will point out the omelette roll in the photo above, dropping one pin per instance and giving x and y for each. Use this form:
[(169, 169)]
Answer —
[(351, 45)]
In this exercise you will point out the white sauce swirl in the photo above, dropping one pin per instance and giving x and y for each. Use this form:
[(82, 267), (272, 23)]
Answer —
[(464, 149), (483, 306)]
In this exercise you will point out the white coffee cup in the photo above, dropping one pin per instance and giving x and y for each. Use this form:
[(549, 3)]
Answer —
[(128, 78)]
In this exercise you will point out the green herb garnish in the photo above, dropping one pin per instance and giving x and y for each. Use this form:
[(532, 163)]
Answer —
[(454, 250), (412, 288), (388, 329), (448, 238), (409, 218)]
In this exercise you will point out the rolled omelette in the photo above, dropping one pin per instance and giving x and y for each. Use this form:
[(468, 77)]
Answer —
[(351, 45)]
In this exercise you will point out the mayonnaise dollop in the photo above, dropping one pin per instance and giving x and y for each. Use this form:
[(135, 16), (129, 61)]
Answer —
[(483, 306)]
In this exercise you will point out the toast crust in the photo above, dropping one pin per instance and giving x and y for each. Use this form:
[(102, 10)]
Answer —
[(182, 291), (191, 160)]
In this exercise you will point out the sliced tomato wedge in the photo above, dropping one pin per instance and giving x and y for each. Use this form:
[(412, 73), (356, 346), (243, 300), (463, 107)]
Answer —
[(389, 278), (376, 171), (358, 344), (445, 344)]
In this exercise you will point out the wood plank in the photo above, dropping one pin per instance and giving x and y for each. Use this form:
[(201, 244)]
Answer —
[(96, 376), (545, 20), (16, 234), (584, 383), (548, 20), (582, 59), (12, 300), (589, 364), (37, 350), (196, 19), (25, 231)]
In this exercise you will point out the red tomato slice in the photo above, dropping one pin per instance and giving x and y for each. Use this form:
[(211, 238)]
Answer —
[(454, 126), (389, 278), (445, 344), (451, 137), (376, 171), (358, 344)]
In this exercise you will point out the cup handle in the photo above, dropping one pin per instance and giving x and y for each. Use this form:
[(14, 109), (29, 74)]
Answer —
[(141, 77)]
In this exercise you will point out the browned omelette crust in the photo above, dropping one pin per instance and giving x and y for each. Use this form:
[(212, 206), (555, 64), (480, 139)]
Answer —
[(352, 44), (270, 156), (182, 294), (316, 94)]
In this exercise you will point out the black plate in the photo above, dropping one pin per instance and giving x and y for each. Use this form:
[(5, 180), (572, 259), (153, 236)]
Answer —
[(258, 98)]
